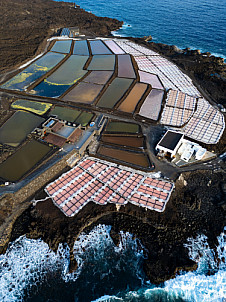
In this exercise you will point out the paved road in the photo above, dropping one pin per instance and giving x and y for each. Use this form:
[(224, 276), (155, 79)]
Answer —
[(215, 164)]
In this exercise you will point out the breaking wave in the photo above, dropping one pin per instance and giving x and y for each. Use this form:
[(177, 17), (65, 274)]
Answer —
[(207, 283), (26, 264), (30, 271)]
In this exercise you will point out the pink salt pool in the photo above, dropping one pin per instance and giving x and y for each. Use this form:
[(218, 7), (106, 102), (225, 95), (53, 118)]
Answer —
[(104, 182)]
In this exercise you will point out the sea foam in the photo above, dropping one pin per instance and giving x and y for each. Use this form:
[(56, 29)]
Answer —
[(28, 265), (107, 272), (207, 283)]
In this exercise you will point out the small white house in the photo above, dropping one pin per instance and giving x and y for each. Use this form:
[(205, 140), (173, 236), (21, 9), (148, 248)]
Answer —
[(188, 148), (187, 154), (200, 154)]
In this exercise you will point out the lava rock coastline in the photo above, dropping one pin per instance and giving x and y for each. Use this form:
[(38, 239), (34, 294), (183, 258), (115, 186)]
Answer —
[(197, 206)]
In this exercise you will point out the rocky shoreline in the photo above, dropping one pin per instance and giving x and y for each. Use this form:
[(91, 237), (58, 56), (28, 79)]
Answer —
[(193, 209), (198, 202)]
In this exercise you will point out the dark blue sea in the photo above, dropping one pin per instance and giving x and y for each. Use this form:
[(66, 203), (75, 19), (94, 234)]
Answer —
[(185, 23)]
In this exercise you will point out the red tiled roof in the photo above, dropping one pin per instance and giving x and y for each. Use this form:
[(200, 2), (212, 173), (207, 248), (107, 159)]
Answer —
[(55, 139), (75, 135), (57, 126)]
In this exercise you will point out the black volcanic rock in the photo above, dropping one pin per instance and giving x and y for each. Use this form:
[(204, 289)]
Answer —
[(24, 25), (192, 209)]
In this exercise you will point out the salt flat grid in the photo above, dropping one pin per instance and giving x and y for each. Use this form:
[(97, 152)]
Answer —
[(135, 49), (171, 71), (146, 65), (104, 182), (206, 125), (143, 50), (127, 48), (176, 98), (177, 117), (178, 109)]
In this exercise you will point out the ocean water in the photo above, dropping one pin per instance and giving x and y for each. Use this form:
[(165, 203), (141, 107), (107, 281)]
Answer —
[(30, 271), (188, 23)]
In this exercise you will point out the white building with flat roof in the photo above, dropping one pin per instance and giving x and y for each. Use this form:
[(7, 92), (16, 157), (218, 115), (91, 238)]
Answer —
[(170, 143)]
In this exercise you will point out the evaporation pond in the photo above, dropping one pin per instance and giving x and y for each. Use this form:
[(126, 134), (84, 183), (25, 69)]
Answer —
[(62, 46), (151, 107), (114, 92), (35, 107), (151, 79), (122, 127), (34, 71), (137, 159), (65, 131), (98, 77), (21, 162), (81, 48), (64, 77), (67, 114), (125, 67), (102, 62), (18, 126), (84, 93), (84, 118), (134, 97), (99, 48), (129, 141), (114, 47)]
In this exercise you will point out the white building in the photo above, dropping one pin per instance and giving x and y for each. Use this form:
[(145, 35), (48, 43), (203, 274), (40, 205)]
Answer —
[(173, 143), (170, 143)]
